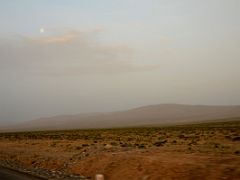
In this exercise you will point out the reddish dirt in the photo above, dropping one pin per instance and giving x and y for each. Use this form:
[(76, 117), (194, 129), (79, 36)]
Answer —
[(189, 152), (156, 165), (122, 164)]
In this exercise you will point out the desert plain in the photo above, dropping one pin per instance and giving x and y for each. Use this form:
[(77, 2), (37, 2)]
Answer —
[(209, 150)]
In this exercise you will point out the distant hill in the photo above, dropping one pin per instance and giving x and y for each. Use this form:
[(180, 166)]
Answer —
[(153, 115)]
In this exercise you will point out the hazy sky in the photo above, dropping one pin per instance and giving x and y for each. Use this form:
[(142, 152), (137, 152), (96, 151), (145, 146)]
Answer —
[(74, 56)]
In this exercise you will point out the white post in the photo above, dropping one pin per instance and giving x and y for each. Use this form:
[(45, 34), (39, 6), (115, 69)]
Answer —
[(99, 177)]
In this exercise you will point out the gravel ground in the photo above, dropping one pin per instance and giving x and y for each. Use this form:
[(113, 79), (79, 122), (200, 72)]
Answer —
[(42, 173)]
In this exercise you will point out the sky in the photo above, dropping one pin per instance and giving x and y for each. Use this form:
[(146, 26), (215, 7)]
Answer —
[(79, 56)]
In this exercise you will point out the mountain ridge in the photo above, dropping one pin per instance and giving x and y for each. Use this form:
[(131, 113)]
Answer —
[(158, 114)]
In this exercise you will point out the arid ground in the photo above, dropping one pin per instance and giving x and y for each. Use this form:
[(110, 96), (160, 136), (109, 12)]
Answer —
[(200, 151)]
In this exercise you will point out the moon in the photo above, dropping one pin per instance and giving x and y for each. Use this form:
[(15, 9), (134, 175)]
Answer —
[(42, 30)]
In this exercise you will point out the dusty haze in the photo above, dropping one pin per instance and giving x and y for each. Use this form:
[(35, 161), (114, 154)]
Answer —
[(154, 115), (74, 57)]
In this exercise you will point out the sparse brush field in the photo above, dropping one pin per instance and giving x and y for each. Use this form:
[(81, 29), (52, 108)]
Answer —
[(200, 151)]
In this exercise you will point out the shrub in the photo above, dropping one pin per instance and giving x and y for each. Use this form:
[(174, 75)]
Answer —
[(141, 146), (85, 145), (78, 147), (237, 152), (160, 142), (236, 138), (114, 143)]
